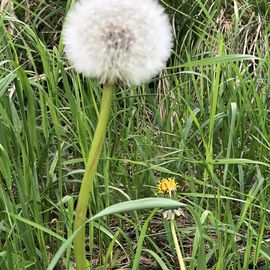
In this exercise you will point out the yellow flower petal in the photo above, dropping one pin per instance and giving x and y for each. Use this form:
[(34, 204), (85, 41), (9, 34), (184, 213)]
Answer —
[(167, 185)]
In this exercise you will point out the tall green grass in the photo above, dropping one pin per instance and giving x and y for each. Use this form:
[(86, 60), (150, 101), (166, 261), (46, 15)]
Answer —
[(204, 121)]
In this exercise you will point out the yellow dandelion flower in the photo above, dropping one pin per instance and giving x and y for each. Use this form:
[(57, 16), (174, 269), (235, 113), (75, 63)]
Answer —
[(167, 185)]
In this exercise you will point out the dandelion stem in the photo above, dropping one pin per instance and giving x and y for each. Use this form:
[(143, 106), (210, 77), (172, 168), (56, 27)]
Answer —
[(87, 181), (177, 248)]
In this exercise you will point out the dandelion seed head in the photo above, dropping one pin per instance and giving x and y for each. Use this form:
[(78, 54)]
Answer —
[(118, 39)]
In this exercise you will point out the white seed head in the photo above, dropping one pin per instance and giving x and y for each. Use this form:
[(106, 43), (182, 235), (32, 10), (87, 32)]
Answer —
[(128, 40)]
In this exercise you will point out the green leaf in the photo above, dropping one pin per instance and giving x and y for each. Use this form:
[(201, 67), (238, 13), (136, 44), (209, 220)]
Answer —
[(138, 205), (157, 258), (221, 59), (136, 261)]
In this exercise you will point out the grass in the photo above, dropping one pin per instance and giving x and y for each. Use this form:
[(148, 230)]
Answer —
[(204, 121)]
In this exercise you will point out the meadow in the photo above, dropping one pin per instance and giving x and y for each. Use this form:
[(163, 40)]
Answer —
[(205, 120)]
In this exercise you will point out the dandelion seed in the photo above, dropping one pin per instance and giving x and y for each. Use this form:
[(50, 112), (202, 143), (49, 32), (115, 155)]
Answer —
[(113, 40)]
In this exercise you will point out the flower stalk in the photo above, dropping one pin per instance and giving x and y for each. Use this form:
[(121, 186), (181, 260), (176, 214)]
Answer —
[(168, 186), (88, 178), (177, 247)]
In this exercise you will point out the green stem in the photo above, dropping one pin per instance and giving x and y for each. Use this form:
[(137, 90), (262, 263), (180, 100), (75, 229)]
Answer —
[(177, 248), (88, 178)]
